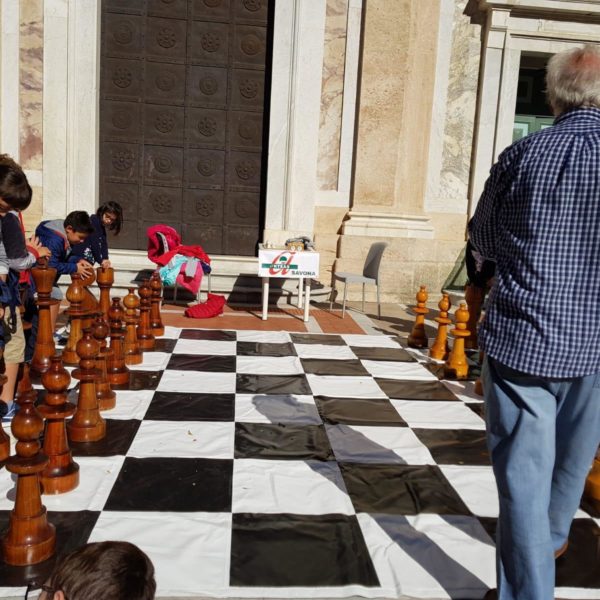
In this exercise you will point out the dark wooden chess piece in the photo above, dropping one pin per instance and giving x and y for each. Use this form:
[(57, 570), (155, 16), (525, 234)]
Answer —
[(89, 303), (417, 337), (156, 324), (456, 366), (117, 371), (105, 279), (474, 297), (592, 484), (131, 346), (144, 331), (76, 312), (87, 425), (439, 350), (4, 438), (30, 539), (62, 472), (44, 350), (107, 399)]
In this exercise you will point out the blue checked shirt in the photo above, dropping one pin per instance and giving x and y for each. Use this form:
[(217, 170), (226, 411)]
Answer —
[(539, 219)]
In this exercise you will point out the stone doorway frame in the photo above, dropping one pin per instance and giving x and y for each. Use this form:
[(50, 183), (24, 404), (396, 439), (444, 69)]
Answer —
[(71, 112), (512, 28)]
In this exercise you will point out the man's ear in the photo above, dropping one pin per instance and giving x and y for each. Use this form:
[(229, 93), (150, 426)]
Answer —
[(68, 228), (58, 595)]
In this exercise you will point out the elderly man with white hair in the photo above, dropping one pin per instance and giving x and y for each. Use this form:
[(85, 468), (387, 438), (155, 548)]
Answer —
[(539, 220)]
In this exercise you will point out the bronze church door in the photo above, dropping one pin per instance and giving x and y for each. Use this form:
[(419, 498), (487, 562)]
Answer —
[(182, 121)]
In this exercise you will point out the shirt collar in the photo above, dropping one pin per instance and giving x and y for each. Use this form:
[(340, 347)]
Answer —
[(580, 114)]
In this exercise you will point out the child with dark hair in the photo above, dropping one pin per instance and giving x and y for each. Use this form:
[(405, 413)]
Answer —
[(95, 248), (16, 257), (59, 236), (111, 570)]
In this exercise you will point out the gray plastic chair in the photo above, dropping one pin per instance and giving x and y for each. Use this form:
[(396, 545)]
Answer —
[(369, 275)]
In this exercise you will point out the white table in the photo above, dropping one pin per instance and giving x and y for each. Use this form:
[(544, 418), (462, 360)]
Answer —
[(282, 263)]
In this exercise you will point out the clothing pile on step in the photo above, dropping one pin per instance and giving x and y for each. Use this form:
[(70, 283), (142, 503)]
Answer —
[(182, 265)]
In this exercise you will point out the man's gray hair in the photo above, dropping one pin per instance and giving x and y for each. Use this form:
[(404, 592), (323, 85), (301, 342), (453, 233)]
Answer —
[(573, 79)]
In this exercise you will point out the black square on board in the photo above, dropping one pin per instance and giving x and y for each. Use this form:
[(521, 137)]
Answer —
[(414, 390), (215, 335), (390, 354), (141, 380), (455, 446), (282, 442), (164, 345), (578, 566), (296, 385), (172, 484), (116, 442), (358, 411), (265, 349), (182, 406), (401, 490), (318, 366), (317, 338), (200, 362), (285, 550)]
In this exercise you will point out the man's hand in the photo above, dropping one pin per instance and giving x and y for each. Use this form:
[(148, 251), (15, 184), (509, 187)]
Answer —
[(44, 252), (105, 264), (84, 268)]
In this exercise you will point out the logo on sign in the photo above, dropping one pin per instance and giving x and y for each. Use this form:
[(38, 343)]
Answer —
[(281, 264)]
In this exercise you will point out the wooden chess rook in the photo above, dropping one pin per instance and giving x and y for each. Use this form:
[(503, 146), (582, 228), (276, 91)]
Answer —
[(156, 324), (30, 539), (456, 367), (62, 472), (87, 425), (439, 350), (45, 349), (417, 337)]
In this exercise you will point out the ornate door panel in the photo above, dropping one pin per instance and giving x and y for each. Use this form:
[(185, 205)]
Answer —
[(182, 118)]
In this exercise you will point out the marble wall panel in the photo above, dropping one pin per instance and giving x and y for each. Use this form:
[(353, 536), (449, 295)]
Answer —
[(31, 54), (332, 94), (461, 106)]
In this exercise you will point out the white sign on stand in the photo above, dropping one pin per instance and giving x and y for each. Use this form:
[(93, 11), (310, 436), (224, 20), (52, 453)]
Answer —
[(279, 262)]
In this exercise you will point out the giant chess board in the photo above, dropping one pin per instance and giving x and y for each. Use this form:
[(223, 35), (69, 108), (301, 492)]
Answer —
[(269, 464)]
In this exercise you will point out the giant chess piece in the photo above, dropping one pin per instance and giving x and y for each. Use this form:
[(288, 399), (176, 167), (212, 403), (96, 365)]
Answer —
[(456, 367), (117, 371), (87, 425), (474, 297), (417, 337), (592, 484), (62, 472), (4, 439), (156, 323), (105, 279), (131, 346), (77, 312), (439, 350), (89, 304), (30, 539), (44, 346), (107, 399), (144, 331)]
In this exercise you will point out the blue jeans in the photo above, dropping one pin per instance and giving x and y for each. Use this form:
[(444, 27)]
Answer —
[(542, 436)]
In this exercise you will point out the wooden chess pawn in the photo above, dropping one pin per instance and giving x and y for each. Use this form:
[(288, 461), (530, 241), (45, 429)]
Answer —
[(131, 346), (156, 324), (144, 331), (117, 371), (105, 279), (456, 366), (474, 297), (87, 425), (107, 399), (62, 472), (76, 311), (45, 349), (417, 337), (439, 350), (30, 539)]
